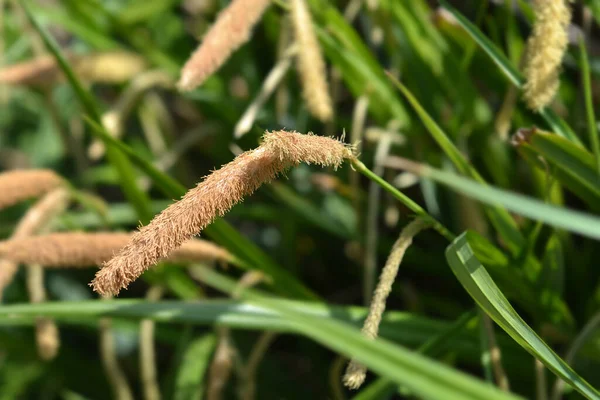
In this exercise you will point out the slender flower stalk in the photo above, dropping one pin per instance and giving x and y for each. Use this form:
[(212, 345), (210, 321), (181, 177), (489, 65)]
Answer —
[(545, 50), (20, 185), (108, 354), (76, 250), (212, 198), (311, 65), (147, 351), (356, 372), (231, 30)]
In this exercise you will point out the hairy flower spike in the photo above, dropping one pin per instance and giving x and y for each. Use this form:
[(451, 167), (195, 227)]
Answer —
[(20, 185), (356, 372), (73, 250), (545, 50), (231, 30), (311, 65), (213, 197)]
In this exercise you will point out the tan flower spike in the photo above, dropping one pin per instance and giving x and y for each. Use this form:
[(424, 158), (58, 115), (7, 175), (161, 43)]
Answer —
[(356, 372), (545, 50), (74, 250), (213, 197), (311, 66), (20, 185), (231, 30)]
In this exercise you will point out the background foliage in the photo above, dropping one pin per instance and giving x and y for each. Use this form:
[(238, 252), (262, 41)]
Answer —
[(451, 101)]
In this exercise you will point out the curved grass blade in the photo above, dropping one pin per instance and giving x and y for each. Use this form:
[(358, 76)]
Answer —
[(555, 122), (571, 164), (500, 218), (478, 283)]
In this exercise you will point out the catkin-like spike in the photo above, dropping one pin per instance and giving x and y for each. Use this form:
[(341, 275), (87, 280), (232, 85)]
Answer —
[(20, 185), (106, 67), (545, 50), (231, 30), (212, 198), (356, 372), (36, 218), (311, 65), (75, 250)]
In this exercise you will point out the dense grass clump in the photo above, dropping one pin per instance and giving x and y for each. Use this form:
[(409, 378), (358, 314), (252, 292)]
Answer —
[(469, 183)]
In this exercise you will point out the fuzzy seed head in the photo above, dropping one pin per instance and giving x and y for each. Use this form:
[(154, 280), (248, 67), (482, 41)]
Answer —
[(545, 50), (231, 30), (20, 185), (75, 250), (213, 197), (311, 65), (356, 372)]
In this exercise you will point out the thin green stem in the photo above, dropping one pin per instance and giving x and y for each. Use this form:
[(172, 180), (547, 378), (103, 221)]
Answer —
[(417, 209)]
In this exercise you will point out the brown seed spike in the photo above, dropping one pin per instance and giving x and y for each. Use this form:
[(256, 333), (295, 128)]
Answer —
[(213, 197), (75, 250), (20, 185), (231, 30)]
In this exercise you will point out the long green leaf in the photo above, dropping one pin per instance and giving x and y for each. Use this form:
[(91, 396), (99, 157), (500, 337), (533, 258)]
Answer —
[(478, 283), (571, 164), (574, 221), (556, 123), (584, 65), (126, 173), (405, 328)]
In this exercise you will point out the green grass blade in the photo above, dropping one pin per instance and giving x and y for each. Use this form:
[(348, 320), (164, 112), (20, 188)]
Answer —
[(434, 346), (127, 176), (571, 164), (574, 221), (423, 377), (556, 123), (382, 388), (191, 372), (402, 327), (478, 283), (308, 211), (499, 217), (139, 11), (584, 65), (362, 79)]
